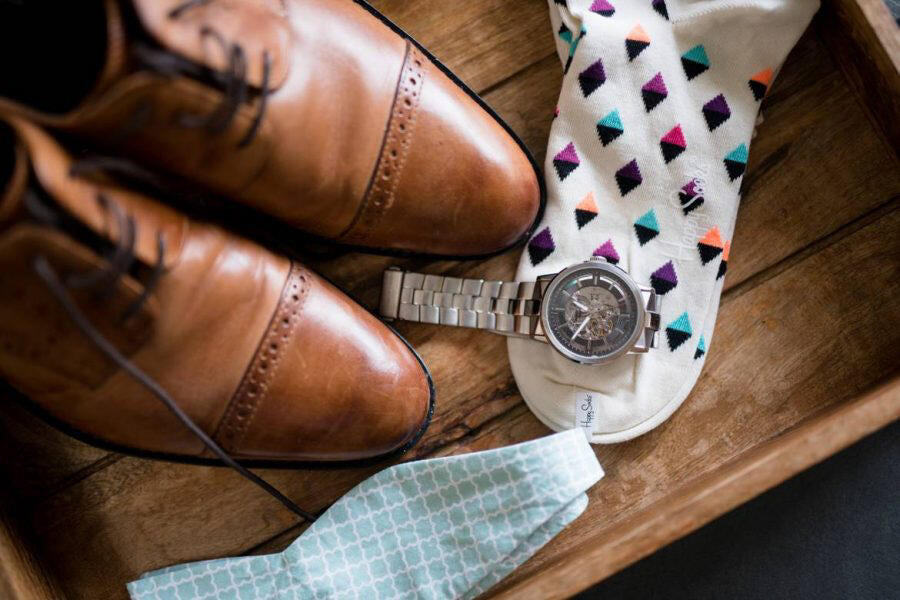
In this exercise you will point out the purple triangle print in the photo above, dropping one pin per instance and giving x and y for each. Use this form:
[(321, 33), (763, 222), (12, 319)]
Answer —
[(603, 7), (660, 7), (654, 91), (608, 251), (664, 279), (541, 246), (592, 78), (628, 177), (716, 112), (566, 161)]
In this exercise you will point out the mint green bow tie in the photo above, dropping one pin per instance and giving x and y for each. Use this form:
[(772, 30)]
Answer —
[(441, 528)]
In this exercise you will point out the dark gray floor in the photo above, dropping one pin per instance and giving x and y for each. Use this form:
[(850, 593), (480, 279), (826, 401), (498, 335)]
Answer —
[(832, 532)]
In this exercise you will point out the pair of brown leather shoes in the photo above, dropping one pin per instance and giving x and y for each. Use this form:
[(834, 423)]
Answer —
[(318, 113)]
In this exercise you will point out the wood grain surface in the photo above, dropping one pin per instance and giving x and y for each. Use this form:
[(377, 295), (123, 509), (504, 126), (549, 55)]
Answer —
[(806, 324)]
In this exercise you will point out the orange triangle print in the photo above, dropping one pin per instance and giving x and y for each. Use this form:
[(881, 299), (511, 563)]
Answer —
[(587, 203), (712, 238), (764, 77), (637, 34), (726, 250)]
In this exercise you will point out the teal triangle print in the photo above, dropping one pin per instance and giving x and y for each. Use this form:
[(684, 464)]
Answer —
[(646, 227), (695, 61), (679, 331), (736, 162), (701, 348), (609, 127)]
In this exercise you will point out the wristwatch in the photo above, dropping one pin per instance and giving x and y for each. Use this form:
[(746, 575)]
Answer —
[(591, 313)]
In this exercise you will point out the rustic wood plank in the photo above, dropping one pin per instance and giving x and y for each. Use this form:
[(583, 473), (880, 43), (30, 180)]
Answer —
[(483, 41), (864, 39), (22, 575), (732, 484)]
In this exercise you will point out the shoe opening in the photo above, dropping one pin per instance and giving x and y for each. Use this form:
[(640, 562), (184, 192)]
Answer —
[(54, 52)]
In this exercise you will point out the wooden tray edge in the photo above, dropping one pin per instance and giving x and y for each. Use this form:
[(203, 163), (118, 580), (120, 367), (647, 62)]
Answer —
[(700, 501)]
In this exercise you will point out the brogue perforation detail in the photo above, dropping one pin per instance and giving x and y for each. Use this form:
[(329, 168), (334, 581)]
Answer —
[(399, 134), (255, 384)]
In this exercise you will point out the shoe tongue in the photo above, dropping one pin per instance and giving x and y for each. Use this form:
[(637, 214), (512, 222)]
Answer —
[(81, 199), (204, 32)]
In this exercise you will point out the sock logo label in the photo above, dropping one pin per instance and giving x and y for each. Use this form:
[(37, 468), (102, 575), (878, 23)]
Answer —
[(585, 411)]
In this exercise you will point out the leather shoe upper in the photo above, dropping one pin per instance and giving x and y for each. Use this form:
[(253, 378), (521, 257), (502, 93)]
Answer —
[(314, 112), (266, 357)]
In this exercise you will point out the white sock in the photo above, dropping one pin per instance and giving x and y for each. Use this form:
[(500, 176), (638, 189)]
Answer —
[(644, 166)]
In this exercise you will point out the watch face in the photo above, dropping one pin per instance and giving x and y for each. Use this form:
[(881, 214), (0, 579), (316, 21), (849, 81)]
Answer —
[(592, 312)]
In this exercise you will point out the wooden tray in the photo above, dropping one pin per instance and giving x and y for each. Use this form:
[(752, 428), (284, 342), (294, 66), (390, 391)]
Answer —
[(803, 362)]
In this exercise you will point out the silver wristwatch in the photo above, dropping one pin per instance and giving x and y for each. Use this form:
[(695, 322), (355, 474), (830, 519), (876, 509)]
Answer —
[(591, 312)]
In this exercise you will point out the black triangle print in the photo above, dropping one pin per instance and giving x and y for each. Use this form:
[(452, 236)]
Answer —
[(607, 134), (568, 64), (735, 169), (698, 353), (644, 234), (723, 267), (635, 47), (651, 99), (670, 151), (691, 68), (714, 118), (660, 7), (563, 168), (676, 338), (689, 202), (537, 253), (589, 84), (662, 286), (759, 89), (626, 184), (583, 217), (707, 253)]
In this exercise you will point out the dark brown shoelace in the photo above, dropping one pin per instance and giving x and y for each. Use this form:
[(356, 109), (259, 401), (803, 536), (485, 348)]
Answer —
[(233, 80), (106, 277)]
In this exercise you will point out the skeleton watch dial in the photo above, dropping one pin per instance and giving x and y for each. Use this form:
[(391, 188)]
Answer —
[(592, 312)]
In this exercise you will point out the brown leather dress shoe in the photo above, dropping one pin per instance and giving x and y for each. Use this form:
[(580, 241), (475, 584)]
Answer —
[(110, 302), (320, 113)]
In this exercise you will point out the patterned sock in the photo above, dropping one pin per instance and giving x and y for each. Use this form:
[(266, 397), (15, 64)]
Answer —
[(645, 162)]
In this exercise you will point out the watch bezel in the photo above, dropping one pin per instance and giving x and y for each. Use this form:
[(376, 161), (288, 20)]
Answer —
[(603, 267)]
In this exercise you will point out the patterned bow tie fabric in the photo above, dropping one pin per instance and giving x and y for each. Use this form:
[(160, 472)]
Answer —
[(442, 528)]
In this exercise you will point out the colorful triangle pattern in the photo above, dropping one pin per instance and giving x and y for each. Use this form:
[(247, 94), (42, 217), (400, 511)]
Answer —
[(592, 78), (654, 91), (609, 127), (573, 45), (646, 227), (759, 84), (664, 279), (679, 331), (660, 7), (672, 144), (710, 245), (636, 42), (691, 195), (603, 7), (565, 34), (607, 251), (695, 61), (723, 266), (628, 177), (586, 211), (716, 112), (541, 246), (566, 161), (736, 162), (701, 348)]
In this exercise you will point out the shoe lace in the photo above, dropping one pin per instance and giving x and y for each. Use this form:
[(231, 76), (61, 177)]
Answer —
[(104, 279), (233, 79)]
